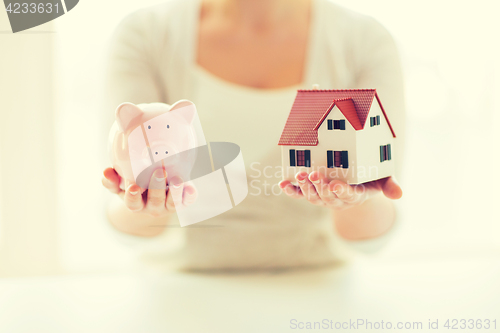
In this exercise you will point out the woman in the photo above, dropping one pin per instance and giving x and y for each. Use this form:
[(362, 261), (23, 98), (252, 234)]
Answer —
[(241, 62)]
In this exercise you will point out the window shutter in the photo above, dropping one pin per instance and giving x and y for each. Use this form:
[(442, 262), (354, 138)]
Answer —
[(292, 157), (389, 152), (329, 159), (345, 159), (371, 121), (330, 124), (307, 158), (378, 120), (342, 124), (381, 153)]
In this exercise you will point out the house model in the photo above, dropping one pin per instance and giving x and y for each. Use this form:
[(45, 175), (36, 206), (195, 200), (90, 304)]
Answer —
[(345, 134)]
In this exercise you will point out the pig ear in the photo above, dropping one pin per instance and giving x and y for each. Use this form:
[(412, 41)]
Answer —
[(125, 113), (188, 109)]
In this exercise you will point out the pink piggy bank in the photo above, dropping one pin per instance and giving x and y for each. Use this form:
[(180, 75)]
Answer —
[(147, 137)]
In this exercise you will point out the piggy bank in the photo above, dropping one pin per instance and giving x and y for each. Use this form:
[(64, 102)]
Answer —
[(147, 137)]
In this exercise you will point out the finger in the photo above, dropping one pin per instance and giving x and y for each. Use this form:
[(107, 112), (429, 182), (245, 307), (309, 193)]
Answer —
[(391, 188), (111, 175), (175, 191), (157, 192), (346, 192), (190, 195), (133, 198), (111, 180), (308, 189), (128, 183), (320, 183), (290, 189), (113, 188)]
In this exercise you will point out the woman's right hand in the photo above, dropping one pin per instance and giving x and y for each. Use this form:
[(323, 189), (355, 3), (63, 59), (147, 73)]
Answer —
[(156, 201)]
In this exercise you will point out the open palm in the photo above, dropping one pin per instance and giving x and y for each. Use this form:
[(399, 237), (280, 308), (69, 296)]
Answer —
[(337, 194)]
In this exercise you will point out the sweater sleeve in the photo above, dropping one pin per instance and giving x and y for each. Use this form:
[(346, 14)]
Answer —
[(132, 73), (377, 65), (349, 248)]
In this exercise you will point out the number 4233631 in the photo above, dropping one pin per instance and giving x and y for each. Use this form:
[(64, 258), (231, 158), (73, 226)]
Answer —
[(470, 324), (32, 8)]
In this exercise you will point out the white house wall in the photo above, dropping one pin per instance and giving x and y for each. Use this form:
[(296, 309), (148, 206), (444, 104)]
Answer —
[(338, 140), (290, 172), (368, 142), (328, 140)]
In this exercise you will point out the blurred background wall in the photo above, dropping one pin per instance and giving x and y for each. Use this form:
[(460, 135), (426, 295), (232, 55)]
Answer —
[(56, 207), (28, 225)]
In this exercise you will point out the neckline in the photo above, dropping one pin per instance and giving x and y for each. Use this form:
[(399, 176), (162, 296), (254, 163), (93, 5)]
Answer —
[(307, 66), (239, 88)]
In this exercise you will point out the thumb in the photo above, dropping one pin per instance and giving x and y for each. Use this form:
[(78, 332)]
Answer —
[(391, 189)]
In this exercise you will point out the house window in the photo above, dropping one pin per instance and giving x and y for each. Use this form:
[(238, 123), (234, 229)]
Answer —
[(336, 124), (339, 124), (385, 153), (303, 158), (337, 159), (374, 121)]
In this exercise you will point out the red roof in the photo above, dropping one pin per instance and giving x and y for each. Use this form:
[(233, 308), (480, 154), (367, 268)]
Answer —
[(311, 107)]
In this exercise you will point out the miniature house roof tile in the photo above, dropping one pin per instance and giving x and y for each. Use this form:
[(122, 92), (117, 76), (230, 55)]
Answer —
[(311, 107)]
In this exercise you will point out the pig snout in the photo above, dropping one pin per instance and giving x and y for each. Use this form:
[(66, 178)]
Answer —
[(163, 151)]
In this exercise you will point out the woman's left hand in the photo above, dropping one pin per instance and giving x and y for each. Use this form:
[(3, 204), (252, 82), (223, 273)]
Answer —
[(336, 194)]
